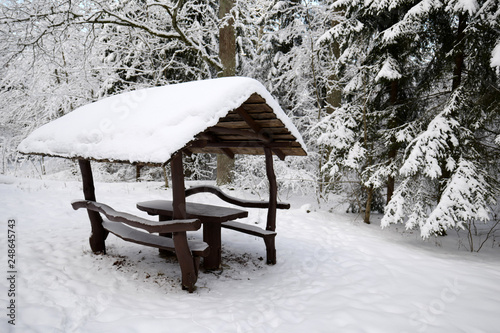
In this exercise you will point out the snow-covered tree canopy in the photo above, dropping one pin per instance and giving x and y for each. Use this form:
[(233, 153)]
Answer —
[(420, 115)]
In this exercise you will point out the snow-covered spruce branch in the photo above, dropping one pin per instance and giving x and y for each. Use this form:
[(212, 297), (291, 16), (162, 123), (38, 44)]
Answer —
[(431, 146), (467, 196)]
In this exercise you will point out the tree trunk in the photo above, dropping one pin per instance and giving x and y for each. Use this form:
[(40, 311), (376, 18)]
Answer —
[(227, 41), (459, 56), (225, 167), (457, 80), (334, 96), (138, 168), (390, 179), (333, 101), (393, 149), (369, 190), (368, 207), (227, 55), (165, 176)]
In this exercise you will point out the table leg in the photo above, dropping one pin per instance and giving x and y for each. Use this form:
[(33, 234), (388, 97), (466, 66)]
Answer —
[(168, 234), (212, 236), (162, 218)]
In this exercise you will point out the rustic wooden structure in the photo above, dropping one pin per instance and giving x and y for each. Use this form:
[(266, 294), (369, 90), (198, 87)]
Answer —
[(252, 128), (211, 216), (268, 234), (256, 125), (117, 222)]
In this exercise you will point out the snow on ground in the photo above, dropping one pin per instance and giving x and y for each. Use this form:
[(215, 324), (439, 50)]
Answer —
[(334, 274)]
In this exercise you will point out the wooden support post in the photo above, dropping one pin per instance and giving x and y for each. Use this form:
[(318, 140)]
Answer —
[(184, 256), (186, 261), (273, 203), (98, 234), (273, 190), (270, 250), (179, 197)]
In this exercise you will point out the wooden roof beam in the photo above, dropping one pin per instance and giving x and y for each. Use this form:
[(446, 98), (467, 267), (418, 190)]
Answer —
[(243, 133), (249, 120), (209, 140), (228, 152), (241, 144), (258, 130), (279, 153)]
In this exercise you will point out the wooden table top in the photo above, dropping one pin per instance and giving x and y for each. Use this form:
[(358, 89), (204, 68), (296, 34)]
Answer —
[(206, 213)]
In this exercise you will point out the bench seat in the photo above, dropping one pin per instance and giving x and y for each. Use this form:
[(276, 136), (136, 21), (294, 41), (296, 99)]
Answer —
[(268, 234), (139, 237), (248, 229), (126, 226)]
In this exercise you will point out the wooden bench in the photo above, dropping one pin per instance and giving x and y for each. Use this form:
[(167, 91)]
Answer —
[(268, 234), (188, 252)]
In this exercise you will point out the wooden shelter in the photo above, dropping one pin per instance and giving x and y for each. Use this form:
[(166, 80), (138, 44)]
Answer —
[(158, 125), (248, 129)]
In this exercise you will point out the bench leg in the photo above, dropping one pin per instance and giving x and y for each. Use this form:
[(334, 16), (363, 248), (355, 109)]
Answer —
[(168, 234), (185, 258), (196, 263), (98, 234), (270, 249)]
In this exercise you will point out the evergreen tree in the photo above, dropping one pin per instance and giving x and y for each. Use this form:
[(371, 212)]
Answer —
[(377, 71), (454, 155), (420, 106)]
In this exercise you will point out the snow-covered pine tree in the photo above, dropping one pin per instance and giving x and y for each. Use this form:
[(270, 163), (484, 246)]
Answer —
[(377, 69), (450, 168)]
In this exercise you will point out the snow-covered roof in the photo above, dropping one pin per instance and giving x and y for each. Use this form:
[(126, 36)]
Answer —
[(150, 125)]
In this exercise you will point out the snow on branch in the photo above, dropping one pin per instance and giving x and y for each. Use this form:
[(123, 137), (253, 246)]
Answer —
[(390, 70), (466, 197), (495, 55), (409, 205), (463, 6), (177, 32), (343, 28), (433, 145)]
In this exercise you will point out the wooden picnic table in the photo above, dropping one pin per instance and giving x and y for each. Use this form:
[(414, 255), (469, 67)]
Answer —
[(210, 216)]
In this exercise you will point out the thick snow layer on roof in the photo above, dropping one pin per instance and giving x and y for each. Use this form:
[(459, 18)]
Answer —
[(147, 125)]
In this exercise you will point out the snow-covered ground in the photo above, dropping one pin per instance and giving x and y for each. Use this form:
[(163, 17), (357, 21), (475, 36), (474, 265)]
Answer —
[(334, 273)]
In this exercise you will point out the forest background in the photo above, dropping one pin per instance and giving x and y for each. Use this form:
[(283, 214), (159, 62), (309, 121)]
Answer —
[(398, 100)]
